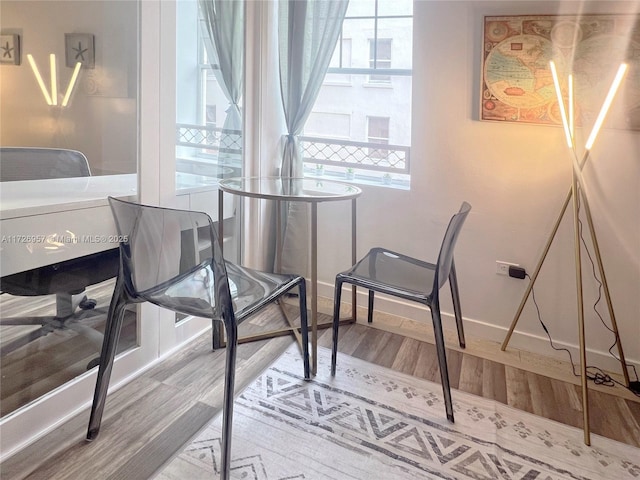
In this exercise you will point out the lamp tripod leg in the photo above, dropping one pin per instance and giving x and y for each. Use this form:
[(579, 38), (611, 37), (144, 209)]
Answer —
[(536, 271), (583, 351), (605, 287)]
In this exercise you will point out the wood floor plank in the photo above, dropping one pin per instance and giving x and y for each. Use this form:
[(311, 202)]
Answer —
[(518, 394), (454, 364), (494, 384), (541, 391), (634, 409), (619, 424), (382, 346), (407, 357), (427, 365), (349, 339), (567, 402), (471, 373)]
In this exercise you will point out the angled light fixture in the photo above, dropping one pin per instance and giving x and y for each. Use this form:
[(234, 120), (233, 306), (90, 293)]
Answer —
[(52, 98), (578, 189)]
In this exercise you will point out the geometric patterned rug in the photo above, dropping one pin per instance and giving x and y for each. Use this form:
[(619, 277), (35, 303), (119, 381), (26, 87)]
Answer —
[(372, 423)]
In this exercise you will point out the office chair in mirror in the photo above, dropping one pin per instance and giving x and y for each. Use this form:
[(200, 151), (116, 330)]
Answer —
[(412, 279), (51, 328), (173, 259)]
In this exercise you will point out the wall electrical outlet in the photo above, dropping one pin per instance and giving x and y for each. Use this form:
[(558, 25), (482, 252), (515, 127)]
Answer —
[(502, 268)]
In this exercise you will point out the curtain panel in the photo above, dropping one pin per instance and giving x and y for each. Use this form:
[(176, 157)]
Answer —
[(308, 31), (307, 34), (224, 20)]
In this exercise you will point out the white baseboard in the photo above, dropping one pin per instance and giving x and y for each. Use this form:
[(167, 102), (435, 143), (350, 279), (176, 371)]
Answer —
[(537, 344)]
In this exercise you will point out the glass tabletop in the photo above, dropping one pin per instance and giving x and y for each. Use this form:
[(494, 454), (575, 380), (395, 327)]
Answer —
[(298, 189)]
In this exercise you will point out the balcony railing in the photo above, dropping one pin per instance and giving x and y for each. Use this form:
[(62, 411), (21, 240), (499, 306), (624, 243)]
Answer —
[(358, 155), (393, 159), (209, 138)]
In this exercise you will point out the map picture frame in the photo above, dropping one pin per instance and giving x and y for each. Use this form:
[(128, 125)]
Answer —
[(516, 80)]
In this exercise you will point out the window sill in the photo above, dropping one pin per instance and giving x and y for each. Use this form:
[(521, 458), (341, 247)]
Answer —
[(360, 180), (378, 85)]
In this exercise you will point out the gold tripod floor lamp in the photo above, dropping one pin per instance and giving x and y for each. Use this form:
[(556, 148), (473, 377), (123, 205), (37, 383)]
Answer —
[(577, 189)]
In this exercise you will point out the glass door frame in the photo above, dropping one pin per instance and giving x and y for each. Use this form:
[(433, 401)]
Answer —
[(25, 425)]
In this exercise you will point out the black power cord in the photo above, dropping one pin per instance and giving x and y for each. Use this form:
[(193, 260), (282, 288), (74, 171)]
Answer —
[(594, 373)]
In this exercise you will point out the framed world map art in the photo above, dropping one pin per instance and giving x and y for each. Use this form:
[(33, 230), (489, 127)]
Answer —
[(517, 84)]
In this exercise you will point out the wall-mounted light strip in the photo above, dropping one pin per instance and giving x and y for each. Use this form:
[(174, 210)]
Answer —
[(36, 72), (72, 84), (605, 106), (54, 78), (571, 109)]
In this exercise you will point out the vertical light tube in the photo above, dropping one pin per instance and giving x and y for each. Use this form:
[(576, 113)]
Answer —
[(605, 106), (54, 79), (563, 112), (36, 73), (572, 113), (72, 83)]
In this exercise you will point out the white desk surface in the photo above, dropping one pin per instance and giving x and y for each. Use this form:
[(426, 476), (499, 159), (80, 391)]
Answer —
[(37, 197), (48, 221)]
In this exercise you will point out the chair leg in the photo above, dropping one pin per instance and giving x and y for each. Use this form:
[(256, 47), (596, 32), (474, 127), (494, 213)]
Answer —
[(107, 357), (442, 359), (216, 335), (370, 307), (304, 326), (336, 324), (227, 412), (455, 296)]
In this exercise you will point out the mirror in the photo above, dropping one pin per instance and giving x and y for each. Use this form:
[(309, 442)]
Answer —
[(70, 80)]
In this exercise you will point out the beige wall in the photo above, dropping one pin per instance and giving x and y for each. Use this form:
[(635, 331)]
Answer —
[(516, 177), (101, 117)]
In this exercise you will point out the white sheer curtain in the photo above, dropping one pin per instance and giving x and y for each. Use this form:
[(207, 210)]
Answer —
[(308, 31), (224, 20)]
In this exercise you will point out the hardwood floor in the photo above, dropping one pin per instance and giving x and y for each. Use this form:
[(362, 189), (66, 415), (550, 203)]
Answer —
[(152, 418)]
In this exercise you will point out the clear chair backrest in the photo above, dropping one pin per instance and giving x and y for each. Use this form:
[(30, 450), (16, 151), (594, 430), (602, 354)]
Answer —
[(31, 163), (445, 258), (160, 244)]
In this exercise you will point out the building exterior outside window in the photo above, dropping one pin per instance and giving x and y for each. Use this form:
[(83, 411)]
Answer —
[(378, 132), (366, 98), (380, 58)]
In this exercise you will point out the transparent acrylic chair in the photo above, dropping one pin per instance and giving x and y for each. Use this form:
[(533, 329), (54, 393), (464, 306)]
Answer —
[(402, 276), (172, 258)]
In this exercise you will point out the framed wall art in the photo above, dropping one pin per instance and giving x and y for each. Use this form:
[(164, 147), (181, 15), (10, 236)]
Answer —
[(79, 47), (9, 49), (517, 84)]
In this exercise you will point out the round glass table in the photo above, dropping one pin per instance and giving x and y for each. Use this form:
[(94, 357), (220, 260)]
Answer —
[(309, 190)]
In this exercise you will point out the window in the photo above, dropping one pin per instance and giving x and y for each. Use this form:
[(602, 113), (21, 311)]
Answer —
[(380, 58), (203, 144), (210, 121), (341, 56), (378, 132), (351, 118)]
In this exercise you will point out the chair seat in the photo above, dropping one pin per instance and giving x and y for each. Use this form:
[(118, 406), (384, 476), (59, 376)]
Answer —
[(394, 273), (194, 294)]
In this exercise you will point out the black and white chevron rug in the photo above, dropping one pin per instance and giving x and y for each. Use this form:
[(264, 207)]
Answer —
[(372, 423)]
